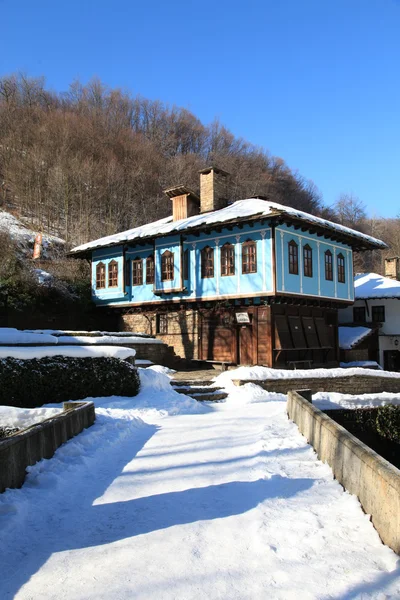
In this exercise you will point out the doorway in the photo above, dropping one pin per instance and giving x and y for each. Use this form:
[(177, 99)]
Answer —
[(245, 345)]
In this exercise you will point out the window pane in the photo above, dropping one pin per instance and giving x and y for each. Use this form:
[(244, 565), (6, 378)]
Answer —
[(249, 257), (137, 272), (340, 267), (150, 269), (227, 260), (113, 274), (359, 314), (307, 259), (378, 314), (293, 258), (328, 266), (167, 266)]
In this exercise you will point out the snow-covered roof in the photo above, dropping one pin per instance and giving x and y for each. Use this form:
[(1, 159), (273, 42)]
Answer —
[(240, 210), (351, 336), (372, 285)]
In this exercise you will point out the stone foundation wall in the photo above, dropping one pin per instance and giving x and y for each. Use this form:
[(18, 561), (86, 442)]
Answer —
[(41, 441), (351, 384), (359, 469), (182, 330)]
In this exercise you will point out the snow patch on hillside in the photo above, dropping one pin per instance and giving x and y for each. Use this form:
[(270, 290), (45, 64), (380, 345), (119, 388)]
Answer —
[(25, 237)]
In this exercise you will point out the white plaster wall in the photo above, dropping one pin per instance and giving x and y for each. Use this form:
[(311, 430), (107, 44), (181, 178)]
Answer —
[(389, 333)]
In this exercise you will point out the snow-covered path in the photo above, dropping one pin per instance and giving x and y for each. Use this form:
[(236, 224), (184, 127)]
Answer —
[(228, 502)]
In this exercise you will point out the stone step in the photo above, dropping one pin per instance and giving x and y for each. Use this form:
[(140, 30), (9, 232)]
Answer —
[(190, 382), (196, 390), (210, 397)]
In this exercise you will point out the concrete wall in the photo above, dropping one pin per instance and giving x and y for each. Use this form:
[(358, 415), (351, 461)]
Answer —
[(359, 469), (350, 384), (41, 441)]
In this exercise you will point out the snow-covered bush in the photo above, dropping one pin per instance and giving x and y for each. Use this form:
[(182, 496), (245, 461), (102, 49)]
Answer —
[(34, 382)]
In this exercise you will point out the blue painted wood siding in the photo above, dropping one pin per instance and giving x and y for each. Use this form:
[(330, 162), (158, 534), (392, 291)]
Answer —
[(317, 285), (238, 285), (195, 287)]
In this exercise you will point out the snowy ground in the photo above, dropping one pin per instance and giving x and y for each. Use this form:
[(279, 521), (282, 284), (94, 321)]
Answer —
[(166, 498)]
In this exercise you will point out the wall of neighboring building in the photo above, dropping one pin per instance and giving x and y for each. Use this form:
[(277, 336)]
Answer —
[(317, 285), (389, 331)]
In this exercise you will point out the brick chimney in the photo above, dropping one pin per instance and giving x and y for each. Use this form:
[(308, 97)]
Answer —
[(392, 267), (213, 189), (185, 203)]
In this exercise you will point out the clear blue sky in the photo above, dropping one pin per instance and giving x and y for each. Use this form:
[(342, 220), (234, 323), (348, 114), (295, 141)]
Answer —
[(316, 82)]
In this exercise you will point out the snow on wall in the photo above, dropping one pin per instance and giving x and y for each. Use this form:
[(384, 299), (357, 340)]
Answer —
[(29, 352)]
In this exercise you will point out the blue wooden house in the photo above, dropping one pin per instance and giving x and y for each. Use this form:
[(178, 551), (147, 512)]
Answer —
[(249, 282)]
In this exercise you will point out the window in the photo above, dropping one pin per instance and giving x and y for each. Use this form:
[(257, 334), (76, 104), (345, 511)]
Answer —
[(161, 323), (378, 314), (113, 274), (340, 269), (150, 269), (249, 257), (207, 262), (186, 264), (293, 258), (137, 271), (307, 261), (359, 314), (100, 276), (167, 266), (328, 266), (227, 260)]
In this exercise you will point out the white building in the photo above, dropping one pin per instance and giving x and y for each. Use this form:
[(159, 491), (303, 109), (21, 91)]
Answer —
[(377, 304)]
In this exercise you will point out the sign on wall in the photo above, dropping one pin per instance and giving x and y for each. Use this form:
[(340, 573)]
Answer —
[(242, 317)]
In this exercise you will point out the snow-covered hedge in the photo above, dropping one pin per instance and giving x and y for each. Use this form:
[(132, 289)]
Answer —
[(31, 383)]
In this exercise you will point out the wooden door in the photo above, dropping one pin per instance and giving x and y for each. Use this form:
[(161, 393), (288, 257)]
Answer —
[(245, 341), (217, 339)]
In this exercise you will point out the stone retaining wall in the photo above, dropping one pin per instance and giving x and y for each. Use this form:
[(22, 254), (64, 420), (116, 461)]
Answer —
[(359, 469), (182, 329), (351, 384), (41, 441)]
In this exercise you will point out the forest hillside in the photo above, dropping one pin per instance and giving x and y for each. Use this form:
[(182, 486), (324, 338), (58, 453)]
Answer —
[(93, 161)]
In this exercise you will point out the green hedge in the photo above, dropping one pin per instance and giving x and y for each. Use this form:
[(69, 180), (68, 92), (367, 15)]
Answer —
[(379, 428), (31, 383)]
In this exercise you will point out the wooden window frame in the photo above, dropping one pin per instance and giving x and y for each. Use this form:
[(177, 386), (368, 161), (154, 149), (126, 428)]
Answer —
[(378, 313), (162, 323), (100, 276), (328, 265), (293, 257), (167, 266), (307, 261), (113, 274), (227, 260), (249, 257), (362, 310), (207, 262), (150, 269), (137, 271), (341, 273)]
